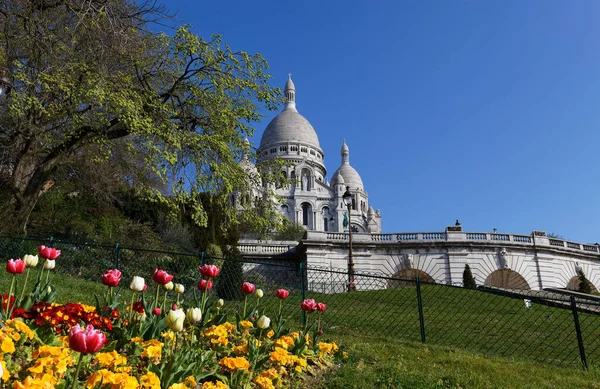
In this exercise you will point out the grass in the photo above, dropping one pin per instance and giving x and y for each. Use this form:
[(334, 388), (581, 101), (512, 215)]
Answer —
[(380, 330)]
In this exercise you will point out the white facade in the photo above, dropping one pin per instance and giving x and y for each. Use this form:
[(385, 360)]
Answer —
[(310, 200)]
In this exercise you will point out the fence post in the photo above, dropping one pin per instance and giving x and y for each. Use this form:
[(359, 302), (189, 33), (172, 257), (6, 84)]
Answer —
[(578, 331), (302, 290), (51, 244), (420, 304), (116, 256), (202, 258)]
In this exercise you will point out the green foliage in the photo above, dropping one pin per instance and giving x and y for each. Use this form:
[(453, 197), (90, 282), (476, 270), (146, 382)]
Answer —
[(468, 280), (166, 116), (290, 231), (230, 281), (585, 286)]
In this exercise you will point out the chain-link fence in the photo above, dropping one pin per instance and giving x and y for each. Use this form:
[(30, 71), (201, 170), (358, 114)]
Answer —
[(544, 326)]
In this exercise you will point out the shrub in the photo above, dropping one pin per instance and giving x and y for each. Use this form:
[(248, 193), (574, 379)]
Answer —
[(230, 279), (585, 286), (468, 280)]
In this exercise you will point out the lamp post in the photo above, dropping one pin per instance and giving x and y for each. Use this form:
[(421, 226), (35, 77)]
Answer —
[(347, 197)]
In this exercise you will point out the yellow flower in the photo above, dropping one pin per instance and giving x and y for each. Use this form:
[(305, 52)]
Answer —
[(345, 354), (124, 381), (217, 385), (178, 386), (150, 380), (152, 350), (21, 327), (241, 349), (46, 382), (279, 356), (190, 381), (110, 360), (264, 383), (237, 363), (327, 348), (137, 339), (101, 376), (284, 342), (5, 373), (246, 324), (270, 334), (7, 346), (169, 335), (222, 340), (270, 374)]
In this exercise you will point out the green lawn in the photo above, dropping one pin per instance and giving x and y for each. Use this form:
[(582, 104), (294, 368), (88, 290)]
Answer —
[(380, 330)]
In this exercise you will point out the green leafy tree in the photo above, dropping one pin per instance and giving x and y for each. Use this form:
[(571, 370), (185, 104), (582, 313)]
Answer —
[(85, 75), (585, 286), (229, 283), (468, 280)]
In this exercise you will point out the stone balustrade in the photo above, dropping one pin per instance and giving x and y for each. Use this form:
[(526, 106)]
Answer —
[(535, 239)]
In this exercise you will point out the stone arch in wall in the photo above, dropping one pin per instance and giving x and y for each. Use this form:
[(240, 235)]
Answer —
[(307, 215), (573, 284), (506, 279), (406, 277)]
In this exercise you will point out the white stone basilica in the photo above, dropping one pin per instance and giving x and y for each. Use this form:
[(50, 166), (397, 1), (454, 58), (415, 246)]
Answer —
[(311, 200)]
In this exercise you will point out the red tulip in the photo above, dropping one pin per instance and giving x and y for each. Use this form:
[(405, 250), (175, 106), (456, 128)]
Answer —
[(308, 305), (15, 266), (156, 311), (203, 285), (248, 288), (161, 277), (48, 252), (321, 307), (111, 278), (86, 341), (320, 332), (282, 294), (209, 271)]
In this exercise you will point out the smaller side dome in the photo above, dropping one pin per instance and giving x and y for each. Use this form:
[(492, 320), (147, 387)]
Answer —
[(338, 179), (349, 174), (371, 211)]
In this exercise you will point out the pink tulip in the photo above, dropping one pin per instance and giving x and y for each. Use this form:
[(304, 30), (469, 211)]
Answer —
[(48, 252), (209, 271), (15, 266), (111, 278), (156, 311), (248, 288), (308, 305), (282, 294), (87, 341), (203, 285), (321, 307), (161, 277)]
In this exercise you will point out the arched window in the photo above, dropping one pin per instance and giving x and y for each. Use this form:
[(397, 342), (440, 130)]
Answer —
[(326, 218), (306, 215)]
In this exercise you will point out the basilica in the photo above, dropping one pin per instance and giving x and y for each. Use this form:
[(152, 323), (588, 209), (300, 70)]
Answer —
[(312, 200)]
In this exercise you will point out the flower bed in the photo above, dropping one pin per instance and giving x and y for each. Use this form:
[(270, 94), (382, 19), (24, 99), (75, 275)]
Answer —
[(145, 343)]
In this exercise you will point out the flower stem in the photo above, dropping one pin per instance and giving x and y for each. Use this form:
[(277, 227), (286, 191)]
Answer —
[(164, 301), (24, 286), (131, 308), (177, 299), (156, 297), (47, 275), (245, 300), (12, 285), (76, 376)]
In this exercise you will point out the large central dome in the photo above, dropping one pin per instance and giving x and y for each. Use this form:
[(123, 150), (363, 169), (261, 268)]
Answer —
[(289, 125)]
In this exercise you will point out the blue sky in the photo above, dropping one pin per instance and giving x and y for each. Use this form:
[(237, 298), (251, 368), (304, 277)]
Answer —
[(483, 111)]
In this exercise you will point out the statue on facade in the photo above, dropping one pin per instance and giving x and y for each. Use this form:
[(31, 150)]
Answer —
[(345, 223), (503, 261)]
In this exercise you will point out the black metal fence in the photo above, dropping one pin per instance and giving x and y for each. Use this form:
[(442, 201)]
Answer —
[(547, 327)]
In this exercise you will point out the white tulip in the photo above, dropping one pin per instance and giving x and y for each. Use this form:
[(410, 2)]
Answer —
[(30, 260), (169, 285), (263, 322), (194, 315), (220, 303), (179, 288), (259, 293), (137, 284), (49, 264), (175, 320)]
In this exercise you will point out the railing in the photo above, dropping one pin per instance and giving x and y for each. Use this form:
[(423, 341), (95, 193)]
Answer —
[(453, 236)]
